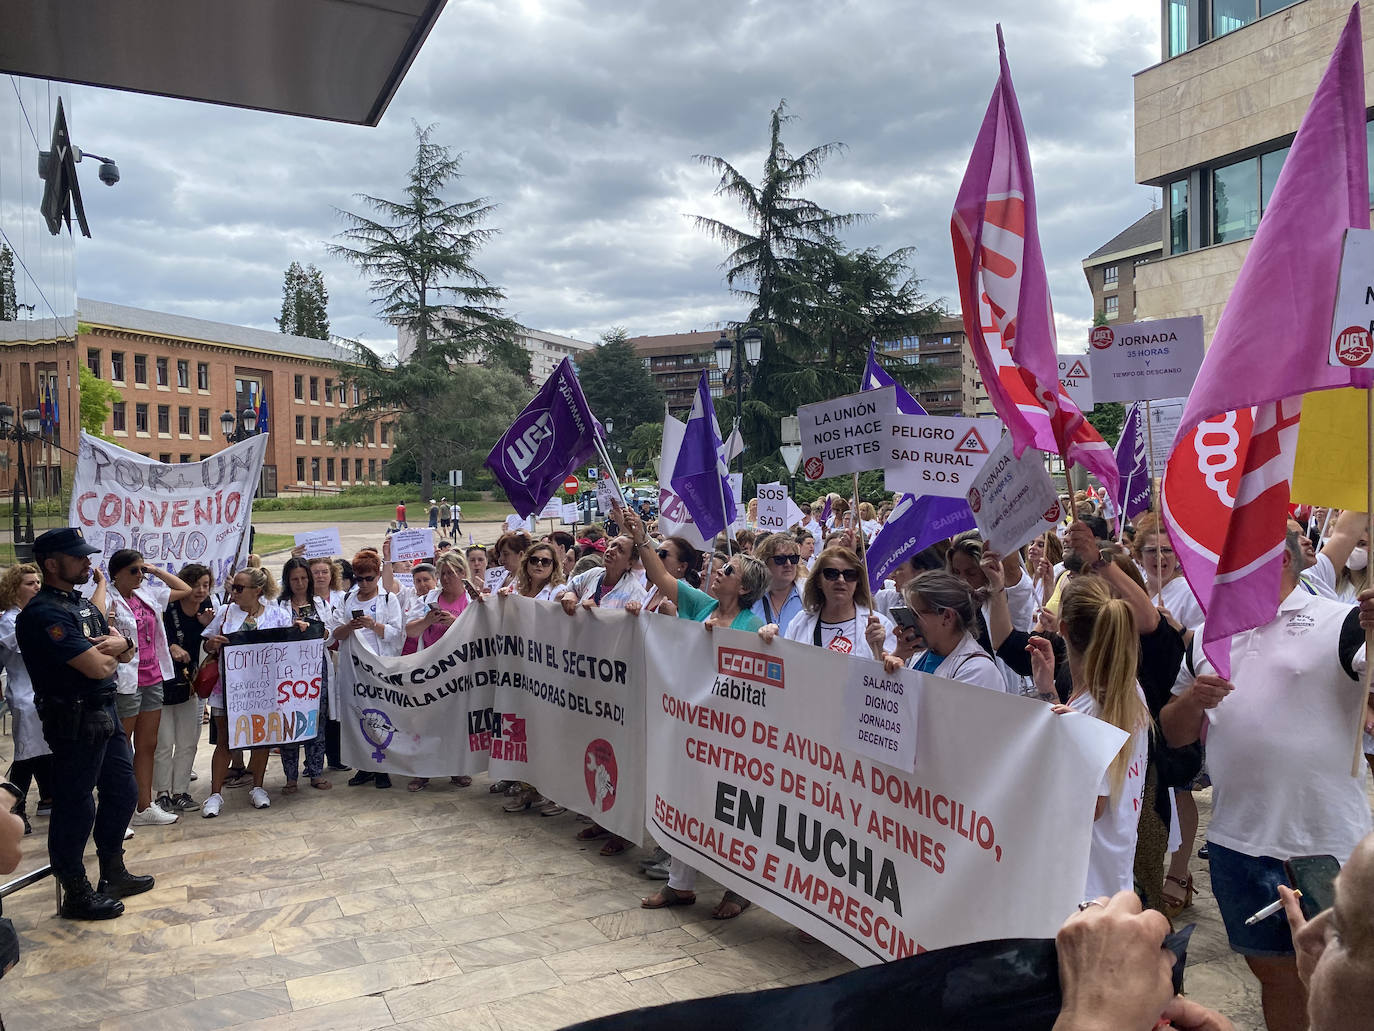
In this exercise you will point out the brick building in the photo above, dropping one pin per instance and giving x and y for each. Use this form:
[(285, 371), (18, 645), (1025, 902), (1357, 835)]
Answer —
[(676, 361), (958, 387), (1111, 269), (177, 376)]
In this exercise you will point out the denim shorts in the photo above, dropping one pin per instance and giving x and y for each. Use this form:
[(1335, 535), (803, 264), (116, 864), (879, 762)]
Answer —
[(145, 699), (1243, 885)]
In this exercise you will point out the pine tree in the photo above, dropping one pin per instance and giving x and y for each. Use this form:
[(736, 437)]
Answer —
[(304, 303), (9, 299)]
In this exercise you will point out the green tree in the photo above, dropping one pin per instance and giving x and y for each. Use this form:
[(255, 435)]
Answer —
[(304, 303), (9, 300), (419, 253), (646, 445), (96, 398), (619, 387), (1107, 417)]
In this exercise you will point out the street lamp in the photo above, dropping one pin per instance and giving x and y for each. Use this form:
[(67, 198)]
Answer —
[(749, 340), (26, 430), (249, 427)]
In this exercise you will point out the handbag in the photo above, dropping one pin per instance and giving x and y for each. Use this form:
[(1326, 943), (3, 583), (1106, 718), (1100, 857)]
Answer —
[(207, 678), (179, 688)]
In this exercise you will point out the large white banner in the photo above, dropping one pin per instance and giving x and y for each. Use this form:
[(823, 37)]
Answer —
[(982, 832), (516, 687), (171, 514)]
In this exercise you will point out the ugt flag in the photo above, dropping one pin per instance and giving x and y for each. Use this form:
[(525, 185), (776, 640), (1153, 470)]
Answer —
[(1227, 483), (700, 477), (1133, 466), (1006, 294), (554, 435)]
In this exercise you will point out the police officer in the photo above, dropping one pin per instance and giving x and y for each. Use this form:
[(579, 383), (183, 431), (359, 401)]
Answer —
[(71, 657)]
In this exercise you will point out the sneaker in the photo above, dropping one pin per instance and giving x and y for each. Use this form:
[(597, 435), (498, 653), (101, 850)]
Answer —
[(212, 805), (340, 767), (656, 871), (238, 779), (659, 855), (553, 809), (164, 802), (195, 775), (260, 798), (128, 833), (153, 816), (185, 803)]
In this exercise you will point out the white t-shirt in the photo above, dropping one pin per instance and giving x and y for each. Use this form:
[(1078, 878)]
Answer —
[(230, 619), (1021, 602), (1279, 746), (1112, 858), (1322, 578), (1178, 598)]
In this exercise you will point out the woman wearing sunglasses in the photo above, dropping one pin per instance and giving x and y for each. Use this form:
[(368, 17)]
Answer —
[(249, 593), (781, 555), (735, 586), (683, 562), (838, 610), (142, 601), (539, 574), (440, 607), (947, 618)]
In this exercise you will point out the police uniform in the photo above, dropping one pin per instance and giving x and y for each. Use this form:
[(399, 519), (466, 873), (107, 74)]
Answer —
[(90, 749)]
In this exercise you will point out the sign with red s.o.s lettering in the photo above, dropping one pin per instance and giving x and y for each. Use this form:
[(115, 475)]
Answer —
[(272, 684)]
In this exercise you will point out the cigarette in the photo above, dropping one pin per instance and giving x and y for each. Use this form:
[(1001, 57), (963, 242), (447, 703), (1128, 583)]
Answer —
[(1268, 911)]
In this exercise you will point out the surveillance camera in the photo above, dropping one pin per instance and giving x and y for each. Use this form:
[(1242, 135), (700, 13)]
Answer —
[(108, 172)]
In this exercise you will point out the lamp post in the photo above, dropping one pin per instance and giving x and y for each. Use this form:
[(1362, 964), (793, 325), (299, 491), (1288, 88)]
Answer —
[(749, 341), (248, 425), (21, 432)]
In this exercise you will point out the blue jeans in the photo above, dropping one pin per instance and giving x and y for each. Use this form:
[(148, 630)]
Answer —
[(78, 768)]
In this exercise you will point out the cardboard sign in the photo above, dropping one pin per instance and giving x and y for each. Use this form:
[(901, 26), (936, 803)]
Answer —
[(568, 513), (1352, 346), (940, 455), (606, 495), (272, 684), (772, 516), (412, 545), (1143, 361), (737, 492), (321, 543), (846, 434), (495, 579), (1076, 374), (1013, 499), (514, 524), (404, 581), (880, 715), (1162, 426), (553, 509)]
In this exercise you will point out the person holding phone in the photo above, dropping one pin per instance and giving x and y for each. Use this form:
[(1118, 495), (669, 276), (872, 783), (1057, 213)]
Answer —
[(376, 619), (947, 618)]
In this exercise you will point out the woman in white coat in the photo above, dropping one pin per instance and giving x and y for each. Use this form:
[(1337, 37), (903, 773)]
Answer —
[(838, 612), (947, 618), (32, 757)]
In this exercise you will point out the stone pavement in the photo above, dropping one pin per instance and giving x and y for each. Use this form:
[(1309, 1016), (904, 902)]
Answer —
[(355, 908)]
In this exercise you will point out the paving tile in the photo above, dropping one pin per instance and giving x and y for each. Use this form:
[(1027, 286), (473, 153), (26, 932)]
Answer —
[(370, 978), (463, 991), (362, 1014), (587, 1000)]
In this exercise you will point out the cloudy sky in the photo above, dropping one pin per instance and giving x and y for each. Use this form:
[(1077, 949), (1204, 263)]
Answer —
[(580, 121)]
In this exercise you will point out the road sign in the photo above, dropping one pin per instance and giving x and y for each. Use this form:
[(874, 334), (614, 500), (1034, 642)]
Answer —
[(455, 477), (570, 485)]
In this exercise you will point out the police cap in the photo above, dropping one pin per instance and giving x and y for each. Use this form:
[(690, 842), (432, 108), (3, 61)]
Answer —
[(65, 540)]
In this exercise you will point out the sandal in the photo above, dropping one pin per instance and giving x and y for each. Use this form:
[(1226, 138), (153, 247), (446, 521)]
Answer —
[(418, 784), (553, 809), (666, 896), (614, 847), (592, 833), (289, 789), (463, 782), (320, 784), (1172, 903), (730, 899)]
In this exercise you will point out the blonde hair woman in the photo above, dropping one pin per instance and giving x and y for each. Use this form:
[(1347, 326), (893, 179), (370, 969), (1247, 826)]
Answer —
[(32, 756)]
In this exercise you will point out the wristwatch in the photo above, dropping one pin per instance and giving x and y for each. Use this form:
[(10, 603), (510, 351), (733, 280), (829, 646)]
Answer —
[(128, 644)]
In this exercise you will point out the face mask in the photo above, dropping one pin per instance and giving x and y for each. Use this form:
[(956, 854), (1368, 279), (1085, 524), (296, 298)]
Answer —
[(1359, 558)]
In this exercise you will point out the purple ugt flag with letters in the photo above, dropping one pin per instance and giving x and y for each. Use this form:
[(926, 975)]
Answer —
[(700, 478), (916, 522), (1133, 465), (554, 435)]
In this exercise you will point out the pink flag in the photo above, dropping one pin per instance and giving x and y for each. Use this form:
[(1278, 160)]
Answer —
[(1226, 486), (1005, 293)]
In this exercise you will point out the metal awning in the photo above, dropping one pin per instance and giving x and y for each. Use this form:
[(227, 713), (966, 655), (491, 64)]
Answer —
[(340, 60)]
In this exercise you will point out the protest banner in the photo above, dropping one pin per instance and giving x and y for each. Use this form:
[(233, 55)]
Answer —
[(915, 523), (495, 578), (773, 514), (1145, 361), (1013, 499), (846, 434), (606, 494), (517, 688), (1351, 344), (413, 545), (936, 455), (272, 684), (321, 543), (568, 514), (1077, 377), (515, 524), (553, 508), (750, 784), (404, 580), (171, 514), (1332, 465)]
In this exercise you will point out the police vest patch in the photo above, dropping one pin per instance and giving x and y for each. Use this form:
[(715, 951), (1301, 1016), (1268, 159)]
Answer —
[(57, 632)]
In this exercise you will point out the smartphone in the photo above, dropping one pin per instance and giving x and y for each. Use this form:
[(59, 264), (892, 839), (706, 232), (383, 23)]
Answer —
[(903, 616), (1315, 877), (434, 606), (473, 592), (357, 613)]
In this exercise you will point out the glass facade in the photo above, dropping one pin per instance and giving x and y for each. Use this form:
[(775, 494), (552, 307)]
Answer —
[(1235, 201), (1270, 166), (1177, 13), (1178, 216)]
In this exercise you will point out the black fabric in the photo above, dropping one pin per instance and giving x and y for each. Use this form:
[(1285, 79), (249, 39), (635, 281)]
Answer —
[(54, 627), (1013, 652), (183, 631), (1352, 636)]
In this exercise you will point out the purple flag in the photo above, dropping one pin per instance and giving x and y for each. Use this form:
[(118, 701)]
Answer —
[(915, 522), (700, 477), (554, 435), (1133, 464)]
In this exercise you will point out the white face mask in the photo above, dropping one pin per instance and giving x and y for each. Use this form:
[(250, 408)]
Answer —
[(1359, 558)]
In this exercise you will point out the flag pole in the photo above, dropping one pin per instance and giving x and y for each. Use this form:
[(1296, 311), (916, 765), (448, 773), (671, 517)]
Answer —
[(1126, 494), (1154, 499), (1356, 766)]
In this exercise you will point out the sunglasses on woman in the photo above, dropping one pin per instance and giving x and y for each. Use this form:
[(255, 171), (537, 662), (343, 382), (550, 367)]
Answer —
[(832, 574), (540, 560), (786, 560), (364, 579), (238, 588)]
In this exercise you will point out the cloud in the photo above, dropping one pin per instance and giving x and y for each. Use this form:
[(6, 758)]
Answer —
[(580, 120)]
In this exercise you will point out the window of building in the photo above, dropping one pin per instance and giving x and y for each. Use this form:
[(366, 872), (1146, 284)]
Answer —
[(357, 470), (328, 390), (140, 418), (1111, 306), (165, 458), (164, 419), (300, 427), (1235, 201), (183, 374), (329, 470), (118, 416), (328, 429), (184, 421), (383, 431), (93, 361), (141, 369), (356, 396), (117, 366), (1270, 166), (202, 375), (203, 422), (342, 390), (300, 470), (371, 470), (1178, 216), (1109, 275), (315, 427), (247, 391), (314, 388), (1178, 26), (299, 384), (161, 366), (185, 459)]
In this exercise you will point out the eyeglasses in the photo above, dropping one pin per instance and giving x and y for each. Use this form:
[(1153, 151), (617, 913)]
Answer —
[(236, 588), (664, 553), (786, 560), (359, 578), (832, 574), (540, 560), (728, 571), (1166, 552)]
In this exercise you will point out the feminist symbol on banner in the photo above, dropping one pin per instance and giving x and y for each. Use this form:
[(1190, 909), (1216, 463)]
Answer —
[(602, 774), (375, 719)]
